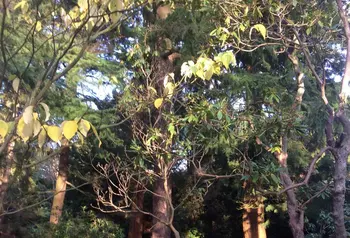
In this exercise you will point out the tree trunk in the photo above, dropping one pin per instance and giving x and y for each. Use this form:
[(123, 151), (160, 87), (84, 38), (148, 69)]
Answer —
[(4, 177), (253, 222), (296, 215), (161, 209), (340, 173), (136, 221), (61, 184)]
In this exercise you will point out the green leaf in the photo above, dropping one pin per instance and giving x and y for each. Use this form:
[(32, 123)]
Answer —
[(96, 134), (42, 138), (308, 31), (3, 128), (69, 129), (261, 29), (55, 133), (219, 115), (158, 102), (47, 110), (36, 127), (274, 178), (171, 129)]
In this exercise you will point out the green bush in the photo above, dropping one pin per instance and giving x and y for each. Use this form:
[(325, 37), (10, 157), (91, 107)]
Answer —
[(86, 225)]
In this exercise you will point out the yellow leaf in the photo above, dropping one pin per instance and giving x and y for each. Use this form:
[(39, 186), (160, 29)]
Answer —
[(69, 129), (42, 138), (262, 29), (54, 132), (158, 102), (36, 127), (84, 127), (28, 115), (24, 130), (38, 26), (96, 134), (3, 128)]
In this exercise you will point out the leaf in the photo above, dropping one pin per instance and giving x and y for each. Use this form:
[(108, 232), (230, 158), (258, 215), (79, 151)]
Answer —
[(96, 134), (262, 29), (69, 129), (219, 115), (38, 26), (28, 115), (114, 6), (36, 127), (54, 132), (3, 128), (171, 129), (308, 31), (42, 138), (158, 102), (47, 110), (169, 89), (24, 130), (274, 178), (84, 127), (227, 59), (15, 84)]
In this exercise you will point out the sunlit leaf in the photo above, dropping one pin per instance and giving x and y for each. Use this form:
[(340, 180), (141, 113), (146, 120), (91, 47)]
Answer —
[(84, 127), (54, 132), (3, 128), (261, 29), (28, 115), (69, 129), (15, 84), (158, 102)]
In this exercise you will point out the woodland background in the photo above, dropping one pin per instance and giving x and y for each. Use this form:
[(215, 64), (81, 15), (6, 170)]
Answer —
[(186, 118)]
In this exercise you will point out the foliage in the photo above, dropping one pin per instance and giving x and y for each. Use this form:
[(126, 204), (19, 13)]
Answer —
[(86, 224)]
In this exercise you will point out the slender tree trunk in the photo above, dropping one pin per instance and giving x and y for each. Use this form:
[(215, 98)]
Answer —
[(61, 184), (161, 209), (296, 215), (136, 221), (4, 177), (340, 173)]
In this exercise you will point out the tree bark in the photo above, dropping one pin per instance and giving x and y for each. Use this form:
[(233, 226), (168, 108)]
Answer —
[(4, 177), (296, 215), (161, 209), (340, 173), (61, 184), (253, 221), (136, 221)]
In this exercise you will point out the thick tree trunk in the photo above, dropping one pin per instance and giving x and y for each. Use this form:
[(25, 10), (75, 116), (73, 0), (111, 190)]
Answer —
[(340, 173), (136, 221), (161, 209), (61, 184), (4, 177), (253, 222)]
